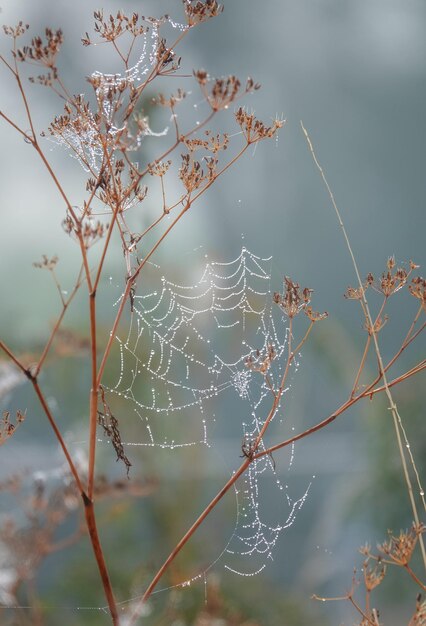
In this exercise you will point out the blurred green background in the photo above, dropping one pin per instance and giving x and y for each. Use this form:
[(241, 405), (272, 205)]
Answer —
[(354, 72)]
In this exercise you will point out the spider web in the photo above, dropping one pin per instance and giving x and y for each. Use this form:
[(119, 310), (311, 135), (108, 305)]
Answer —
[(185, 352), (88, 144)]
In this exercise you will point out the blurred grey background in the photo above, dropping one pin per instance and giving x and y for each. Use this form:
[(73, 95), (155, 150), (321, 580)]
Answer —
[(354, 72)]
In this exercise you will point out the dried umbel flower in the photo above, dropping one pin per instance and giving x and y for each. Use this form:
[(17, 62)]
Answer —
[(418, 289), (193, 175), (373, 574), (115, 26), (253, 129), (419, 617), (355, 293), (171, 101), (314, 316), (262, 361), (379, 323), (46, 263), (223, 91), (43, 53), (197, 11), (88, 229), (212, 143), (400, 549), (293, 300), (392, 280), (159, 168), (16, 31), (166, 59)]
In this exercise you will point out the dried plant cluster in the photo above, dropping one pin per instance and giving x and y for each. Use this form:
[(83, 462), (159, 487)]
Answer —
[(396, 551), (105, 133)]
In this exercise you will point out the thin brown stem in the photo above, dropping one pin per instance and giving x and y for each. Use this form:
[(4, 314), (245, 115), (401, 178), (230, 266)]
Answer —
[(15, 126), (93, 416), (361, 612), (126, 293), (361, 366), (397, 420), (58, 434), (89, 512), (186, 537), (346, 405), (58, 324), (229, 484), (414, 370), (13, 358), (415, 577)]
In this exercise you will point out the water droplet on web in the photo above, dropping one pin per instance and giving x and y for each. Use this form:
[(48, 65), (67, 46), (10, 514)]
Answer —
[(168, 343)]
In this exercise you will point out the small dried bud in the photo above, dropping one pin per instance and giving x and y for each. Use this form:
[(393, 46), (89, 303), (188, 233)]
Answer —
[(418, 289), (158, 168), (197, 11), (400, 549), (253, 129), (46, 263), (261, 362), (373, 574)]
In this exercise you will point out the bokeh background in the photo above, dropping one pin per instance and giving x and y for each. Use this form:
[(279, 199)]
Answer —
[(354, 72)]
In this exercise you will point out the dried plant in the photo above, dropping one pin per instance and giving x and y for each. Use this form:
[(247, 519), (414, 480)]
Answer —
[(397, 551), (105, 133)]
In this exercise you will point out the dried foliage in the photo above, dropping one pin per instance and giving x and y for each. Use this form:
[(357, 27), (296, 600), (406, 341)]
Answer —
[(51, 505), (397, 551), (8, 426)]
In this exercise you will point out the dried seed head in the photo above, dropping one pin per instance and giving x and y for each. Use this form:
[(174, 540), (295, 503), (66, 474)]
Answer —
[(262, 361), (418, 289), (314, 316), (293, 300), (46, 263), (373, 574), (354, 293), (43, 52), (16, 31), (392, 280), (193, 175), (158, 168), (197, 11), (171, 101), (253, 129), (400, 549)]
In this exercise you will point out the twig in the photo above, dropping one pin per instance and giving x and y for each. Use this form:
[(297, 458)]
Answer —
[(392, 405)]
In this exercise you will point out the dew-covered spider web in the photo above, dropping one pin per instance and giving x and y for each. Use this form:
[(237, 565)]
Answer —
[(84, 141), (186, 352)]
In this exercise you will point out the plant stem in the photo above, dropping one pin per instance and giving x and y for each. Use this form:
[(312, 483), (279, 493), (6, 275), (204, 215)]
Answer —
[(89, 513), (392, 405), (186, 537)]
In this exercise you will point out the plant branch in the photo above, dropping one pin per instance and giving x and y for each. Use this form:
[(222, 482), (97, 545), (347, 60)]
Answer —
[(186, 537), (397, 420)]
